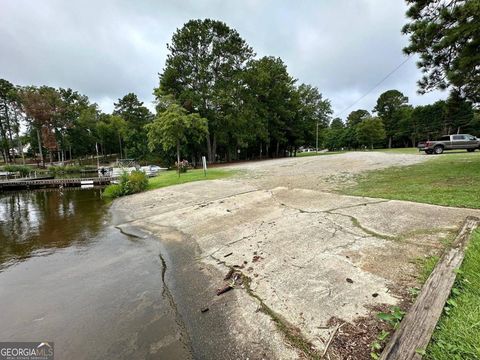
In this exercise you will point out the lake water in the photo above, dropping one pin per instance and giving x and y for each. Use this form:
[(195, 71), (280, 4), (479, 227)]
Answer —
[(67, 275)]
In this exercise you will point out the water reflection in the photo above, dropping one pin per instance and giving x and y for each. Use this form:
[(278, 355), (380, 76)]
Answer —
[(32, 223)]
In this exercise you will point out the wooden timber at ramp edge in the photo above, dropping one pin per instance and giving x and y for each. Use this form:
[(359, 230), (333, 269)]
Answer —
[(417, 327)]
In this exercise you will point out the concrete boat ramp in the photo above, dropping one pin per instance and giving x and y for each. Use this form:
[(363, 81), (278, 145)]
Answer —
[(310, 260)]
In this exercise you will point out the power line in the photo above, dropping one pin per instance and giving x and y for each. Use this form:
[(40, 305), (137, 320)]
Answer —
[(374, 87)]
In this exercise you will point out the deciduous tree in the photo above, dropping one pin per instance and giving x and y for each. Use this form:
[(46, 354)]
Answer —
[(370, 132), (173, 127)]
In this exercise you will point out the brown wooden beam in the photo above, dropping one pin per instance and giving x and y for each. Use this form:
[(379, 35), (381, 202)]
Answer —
[(418, 325)]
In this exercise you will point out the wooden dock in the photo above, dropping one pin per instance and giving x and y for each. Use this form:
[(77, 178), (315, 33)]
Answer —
[(25, 184)]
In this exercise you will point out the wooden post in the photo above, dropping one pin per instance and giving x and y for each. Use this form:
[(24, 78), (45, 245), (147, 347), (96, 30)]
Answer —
[(417, 327)]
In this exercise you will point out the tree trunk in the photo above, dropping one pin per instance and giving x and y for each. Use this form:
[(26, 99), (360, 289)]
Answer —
[(389, 142), (8, 131), (178, 157), (214, 148), (209, 149), (120, 144), (20, 149), (278, 149), (39, 139), (4, 142), (229, 154)]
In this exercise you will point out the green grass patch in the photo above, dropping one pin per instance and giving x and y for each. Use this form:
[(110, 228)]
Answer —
[(171, 177), (411, 151), (457, 335), (427, 265), (313, 153), (24, 170), (451, 179)]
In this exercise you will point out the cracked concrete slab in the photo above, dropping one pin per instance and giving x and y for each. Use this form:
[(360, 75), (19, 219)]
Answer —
[(312, 256), (393, 218)]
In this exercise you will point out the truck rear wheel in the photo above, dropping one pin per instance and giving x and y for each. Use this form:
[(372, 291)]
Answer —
[(470, 150), (438, 149)]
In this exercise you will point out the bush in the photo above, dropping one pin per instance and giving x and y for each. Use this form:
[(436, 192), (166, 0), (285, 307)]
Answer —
[(112, 191), (132, 183), (183, 166), (54, 170), (22, 169), (136, 182)]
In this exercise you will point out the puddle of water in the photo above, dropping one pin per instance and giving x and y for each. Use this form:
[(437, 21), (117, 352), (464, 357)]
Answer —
[(68, 276)]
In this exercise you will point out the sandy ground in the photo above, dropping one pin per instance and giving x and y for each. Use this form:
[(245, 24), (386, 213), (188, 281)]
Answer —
[(314, 258)]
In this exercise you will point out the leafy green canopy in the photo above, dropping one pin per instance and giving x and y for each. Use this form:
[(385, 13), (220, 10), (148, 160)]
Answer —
[(174, 127), (135, 116), (446, 35), (202, 72)]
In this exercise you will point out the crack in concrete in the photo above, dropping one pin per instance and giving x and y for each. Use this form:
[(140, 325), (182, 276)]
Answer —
[(292, 334), (354, 220), (356, 205), (356, 223)]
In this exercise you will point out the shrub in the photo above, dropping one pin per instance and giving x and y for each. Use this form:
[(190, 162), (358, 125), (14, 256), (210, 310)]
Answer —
[(66, 169), (22, 169), (183, 166), (137, 181), (132, 183), (112, 191)]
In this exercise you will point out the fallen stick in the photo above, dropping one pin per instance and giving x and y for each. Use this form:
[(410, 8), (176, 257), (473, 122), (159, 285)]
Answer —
[(331, 339), (224, 290)]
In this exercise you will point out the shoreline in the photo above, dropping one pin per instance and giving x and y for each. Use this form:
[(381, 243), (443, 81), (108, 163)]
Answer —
[(191, 285)]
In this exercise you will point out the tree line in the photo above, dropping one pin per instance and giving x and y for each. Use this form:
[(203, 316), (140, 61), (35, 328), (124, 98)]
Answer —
[(245, 108), (62, 124), (393, 122), (215, 97)]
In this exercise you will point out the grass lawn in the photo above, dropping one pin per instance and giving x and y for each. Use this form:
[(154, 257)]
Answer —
[(411, 151), (313, 153), (457, 335), (451, 179), (170, 177)]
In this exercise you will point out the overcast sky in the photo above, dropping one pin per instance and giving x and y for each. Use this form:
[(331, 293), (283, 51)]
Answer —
[(108, 48)]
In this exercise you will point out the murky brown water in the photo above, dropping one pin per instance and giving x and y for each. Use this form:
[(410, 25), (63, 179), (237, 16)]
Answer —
[(67, 275)]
